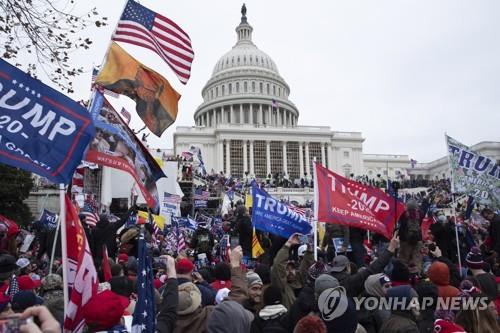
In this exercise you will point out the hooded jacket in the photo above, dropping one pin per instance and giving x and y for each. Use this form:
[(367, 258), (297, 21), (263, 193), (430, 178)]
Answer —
[(439, 274)]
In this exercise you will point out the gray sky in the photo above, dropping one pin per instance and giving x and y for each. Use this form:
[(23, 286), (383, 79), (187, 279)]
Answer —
[(400, 72)]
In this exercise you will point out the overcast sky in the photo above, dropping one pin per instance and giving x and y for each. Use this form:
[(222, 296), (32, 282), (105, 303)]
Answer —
[(401, 72)]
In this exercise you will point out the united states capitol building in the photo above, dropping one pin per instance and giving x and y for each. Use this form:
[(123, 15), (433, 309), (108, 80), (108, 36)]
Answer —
[(247, 123)]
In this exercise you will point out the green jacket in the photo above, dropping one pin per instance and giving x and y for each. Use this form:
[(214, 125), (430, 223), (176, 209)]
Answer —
[(278, 277)]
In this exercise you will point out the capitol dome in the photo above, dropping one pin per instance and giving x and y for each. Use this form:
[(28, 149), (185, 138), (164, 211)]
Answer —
[(246, 88)]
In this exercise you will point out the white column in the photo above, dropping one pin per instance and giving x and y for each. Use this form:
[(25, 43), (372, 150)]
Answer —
[(228, 158), (242, 119), (301, 160), (251, 114), (285, 168), (269, 115), (231, 112), (268, 157), (323, 158), (220, 155), (261, 115), (245, 161), (252, 171), (307, 166)]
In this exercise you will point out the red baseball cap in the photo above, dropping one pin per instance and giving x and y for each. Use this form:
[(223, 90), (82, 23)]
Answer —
[(184, 266), (122, 257), (25, 282), (104, 310)]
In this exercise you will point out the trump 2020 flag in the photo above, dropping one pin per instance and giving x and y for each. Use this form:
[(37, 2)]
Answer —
[(41, 130), (156, 100), (82, 275), (474, 174), (116, 146), (48, 220), (144, 313), (271, 215), (343, 201)]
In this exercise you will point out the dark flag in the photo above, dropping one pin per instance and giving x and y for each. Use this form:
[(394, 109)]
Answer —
[(144, 313)]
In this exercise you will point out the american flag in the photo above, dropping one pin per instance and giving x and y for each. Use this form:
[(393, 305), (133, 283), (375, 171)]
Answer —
[(200, 194), (143, 27), (274, 104), (413, 163), (187, 155), (171, 198), (91, 212), (224, 248), (125, 114), (298, 210), (144, 313), (179, 240), (77, 183)]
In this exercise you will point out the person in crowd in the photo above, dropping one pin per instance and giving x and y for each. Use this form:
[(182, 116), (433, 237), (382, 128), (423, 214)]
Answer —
[(184, 269), (354, 283), (427, 290), (410, 233), (7, 268), (439, 274), (222, 274), (167, 316), (403, 316), (356, 239), (376, 286), (203, 241), (274, 315), (400, 274), (280, 277), (444, 235), (310, 324), (484, 281), (477, 320), (245, 230), (494, 229), (335, 231), (104, 312), (53, 297), (229, 317)]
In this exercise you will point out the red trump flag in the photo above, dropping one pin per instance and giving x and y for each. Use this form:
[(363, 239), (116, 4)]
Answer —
[(347, 202)]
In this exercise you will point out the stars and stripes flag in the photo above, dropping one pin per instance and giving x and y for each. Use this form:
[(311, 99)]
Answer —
[(298, 210), (224, 248), (144, 313), (143, 27), (172, 198), (91, 211), (413, 163), (125, 114), (77, 183), (13, 286), (200, 194)]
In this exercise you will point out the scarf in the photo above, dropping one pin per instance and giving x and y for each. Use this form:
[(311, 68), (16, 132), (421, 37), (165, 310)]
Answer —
[(272, 311)]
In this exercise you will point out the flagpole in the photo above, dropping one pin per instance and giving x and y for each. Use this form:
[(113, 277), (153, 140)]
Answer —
[(64, 248), (54, 244), (315, 219), (454, 205)]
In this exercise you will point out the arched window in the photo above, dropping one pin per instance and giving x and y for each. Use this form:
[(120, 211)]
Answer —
[(230, 88), (274, 90), (268, 89), (222, 89), (261, 89), (238, 60), (237, 87), (245, 86), (216, 91), (253, 86)]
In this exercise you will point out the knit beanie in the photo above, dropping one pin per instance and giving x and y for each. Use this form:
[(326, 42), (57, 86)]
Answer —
[(474, 258), (323, 282), (253, 278), (445, 326), (272, 295), (400, 272), (310, 324)]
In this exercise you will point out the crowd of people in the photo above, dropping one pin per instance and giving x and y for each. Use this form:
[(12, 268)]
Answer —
[(213, 284)]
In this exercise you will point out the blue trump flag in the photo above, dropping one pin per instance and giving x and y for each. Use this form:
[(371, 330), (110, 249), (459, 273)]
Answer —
[(48, 220), (273, 216), (41, 130)]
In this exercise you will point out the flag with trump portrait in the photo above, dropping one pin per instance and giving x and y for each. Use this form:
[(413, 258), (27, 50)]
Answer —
[(347, 202), (116, 146), (156, 100)]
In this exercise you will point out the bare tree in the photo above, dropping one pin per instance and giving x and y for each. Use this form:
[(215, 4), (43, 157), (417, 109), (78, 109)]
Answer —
[(49, 31)]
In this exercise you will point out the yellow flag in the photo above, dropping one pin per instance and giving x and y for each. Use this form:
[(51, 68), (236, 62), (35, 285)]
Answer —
[(157, 219), (248, 201), (257, 250), (156, 100)]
